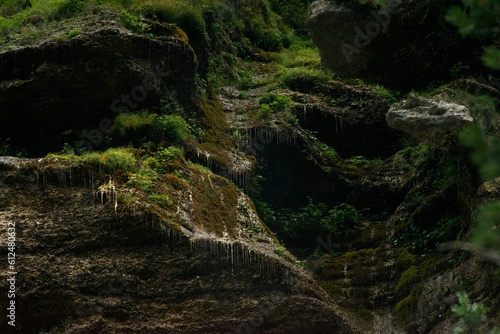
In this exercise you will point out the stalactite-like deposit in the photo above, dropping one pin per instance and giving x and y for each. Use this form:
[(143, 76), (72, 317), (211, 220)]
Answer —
[(205, 158), (234, 253), (107, 192)]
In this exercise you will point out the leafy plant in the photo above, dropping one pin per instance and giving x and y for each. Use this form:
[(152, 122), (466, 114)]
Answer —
[(170, 154), (74, 33), (411, 157), (341, 220), (277, 103), (128, 199), (426, 239), (294, 13), (458, 70), (330, 153), (479, 18), (385, 93), (185, 14), (69, 9), (264, 112), (486, 155), (486, 233), (133, 22), (471, 315)]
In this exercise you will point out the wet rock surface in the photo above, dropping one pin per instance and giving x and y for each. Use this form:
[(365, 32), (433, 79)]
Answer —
[(84, 267)]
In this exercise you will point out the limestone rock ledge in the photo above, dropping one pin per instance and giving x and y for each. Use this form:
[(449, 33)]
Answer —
[(433, 121), (205, 264)]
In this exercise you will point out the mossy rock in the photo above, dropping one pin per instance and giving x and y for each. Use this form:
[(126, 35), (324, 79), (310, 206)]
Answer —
[(405, 259), (407, 280), (405, 309)]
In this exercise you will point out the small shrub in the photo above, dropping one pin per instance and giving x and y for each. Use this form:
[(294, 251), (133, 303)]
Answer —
[(151, 162), (294, 13), (74, 33), (340, 101), (200, 168), (471, 316), (458, 70), (412, 157), (330, 153), (61, 38), (170, 154), (340, 221), (405, 259), (264, 112), (276, 102), (133, 23), (173, 128), (63, 156), (487, 233), (290, 118), (12, 7), (141, 182)]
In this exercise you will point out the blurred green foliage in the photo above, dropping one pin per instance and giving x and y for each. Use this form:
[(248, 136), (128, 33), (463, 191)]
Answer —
[(479, 18)]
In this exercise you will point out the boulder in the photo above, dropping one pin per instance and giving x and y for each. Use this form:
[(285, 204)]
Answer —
[(433, 121), (400, 44)]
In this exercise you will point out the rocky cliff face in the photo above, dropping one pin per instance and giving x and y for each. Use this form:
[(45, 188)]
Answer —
[(88, 264), (129, 249), (53, 91)]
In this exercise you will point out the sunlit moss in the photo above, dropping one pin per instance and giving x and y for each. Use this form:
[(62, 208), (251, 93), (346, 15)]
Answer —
[(111, 159)]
